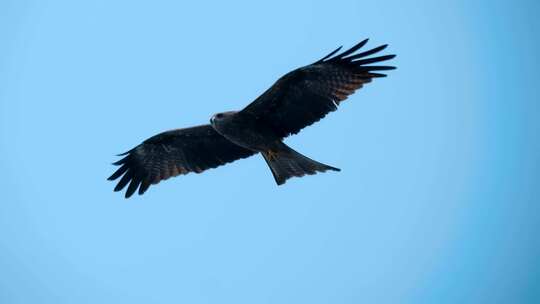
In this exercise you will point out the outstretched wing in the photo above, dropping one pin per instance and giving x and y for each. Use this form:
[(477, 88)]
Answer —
[(305, 95), (173, 153)]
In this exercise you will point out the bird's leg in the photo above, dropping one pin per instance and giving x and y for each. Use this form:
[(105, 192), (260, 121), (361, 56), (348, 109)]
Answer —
[(271, 155)]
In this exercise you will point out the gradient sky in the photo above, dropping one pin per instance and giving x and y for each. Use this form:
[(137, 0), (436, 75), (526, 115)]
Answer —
[(437, 201)]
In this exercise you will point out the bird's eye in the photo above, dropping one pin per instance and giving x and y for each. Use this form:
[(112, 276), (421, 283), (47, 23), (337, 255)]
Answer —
[(219, 115)]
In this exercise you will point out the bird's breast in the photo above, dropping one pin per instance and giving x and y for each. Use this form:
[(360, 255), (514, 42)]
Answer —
[(244, 132)]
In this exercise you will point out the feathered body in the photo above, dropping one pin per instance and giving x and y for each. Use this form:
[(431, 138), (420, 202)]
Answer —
[(298, 99)]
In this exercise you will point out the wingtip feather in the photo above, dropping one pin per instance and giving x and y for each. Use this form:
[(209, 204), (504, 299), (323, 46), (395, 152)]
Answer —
[(353, 49), (330, 54)]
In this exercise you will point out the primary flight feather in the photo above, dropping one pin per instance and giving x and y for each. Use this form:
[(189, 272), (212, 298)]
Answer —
[(297, 100)]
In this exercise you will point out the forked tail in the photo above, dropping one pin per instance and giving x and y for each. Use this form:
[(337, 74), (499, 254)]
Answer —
[(285, 163)]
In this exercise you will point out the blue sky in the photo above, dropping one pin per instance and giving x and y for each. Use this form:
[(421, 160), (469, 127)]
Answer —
[(437, 201)]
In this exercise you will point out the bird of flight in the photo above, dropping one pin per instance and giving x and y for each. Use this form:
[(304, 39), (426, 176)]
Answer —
[(296, 100)]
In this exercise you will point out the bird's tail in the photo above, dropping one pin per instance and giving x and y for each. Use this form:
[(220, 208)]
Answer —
[(285, 163)]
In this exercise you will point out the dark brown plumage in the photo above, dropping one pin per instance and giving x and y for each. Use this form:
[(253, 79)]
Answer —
[(298, 99), (173, 153), (305, 95)]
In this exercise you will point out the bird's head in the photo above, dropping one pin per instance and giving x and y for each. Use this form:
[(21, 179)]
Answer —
[(220, 117)]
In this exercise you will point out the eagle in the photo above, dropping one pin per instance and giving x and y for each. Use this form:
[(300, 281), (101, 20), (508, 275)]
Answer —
[(295, 101)]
